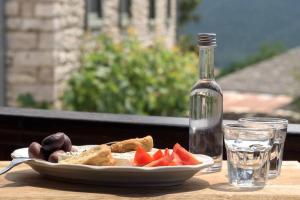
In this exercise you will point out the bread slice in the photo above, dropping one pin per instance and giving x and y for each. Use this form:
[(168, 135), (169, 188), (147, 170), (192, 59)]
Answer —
[(99, 155), (132, 144)]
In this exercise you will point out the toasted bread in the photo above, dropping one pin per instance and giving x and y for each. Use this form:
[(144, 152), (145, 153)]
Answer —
[(132, 144), (99, 155)]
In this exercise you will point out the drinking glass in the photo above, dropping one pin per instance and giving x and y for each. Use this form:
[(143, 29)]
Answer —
[(280, 126), (248, 154)]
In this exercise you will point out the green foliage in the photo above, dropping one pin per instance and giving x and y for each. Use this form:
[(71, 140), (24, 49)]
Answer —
[(186, 11), (186, 43), (296, 74), (129, 78), (295, 105), (265, 51), (28, 101)]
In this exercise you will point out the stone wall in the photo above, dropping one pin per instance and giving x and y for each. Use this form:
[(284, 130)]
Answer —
[(161, 28), (43, 42)]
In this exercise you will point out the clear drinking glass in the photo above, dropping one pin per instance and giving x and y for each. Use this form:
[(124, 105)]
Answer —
[(248, 154), (280, 126)]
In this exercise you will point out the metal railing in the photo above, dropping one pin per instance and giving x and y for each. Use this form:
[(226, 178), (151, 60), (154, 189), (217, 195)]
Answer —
[(19, 127)]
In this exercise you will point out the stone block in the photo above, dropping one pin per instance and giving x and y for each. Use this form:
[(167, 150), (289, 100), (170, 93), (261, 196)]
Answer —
[(20, 78), (52, 9), (32, 24), (68, 42), (12, 8), (72, 20), (33, 59), (33, 70), (62, 57), (13, 23), (45, 75), (53, 24), (27, 8), (47, 40), (59, 41), (21, 40), (64, 72), (41, 24)]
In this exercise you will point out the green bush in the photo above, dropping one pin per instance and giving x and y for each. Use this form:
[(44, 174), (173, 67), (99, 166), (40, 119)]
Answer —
[(28, 101), (129, 78)]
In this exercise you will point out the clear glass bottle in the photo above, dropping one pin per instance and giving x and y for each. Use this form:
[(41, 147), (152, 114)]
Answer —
[(206, 107)]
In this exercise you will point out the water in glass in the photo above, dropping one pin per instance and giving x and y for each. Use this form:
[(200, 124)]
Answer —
[(248, 155), (277, 152), (280, 126), (248, 162), (206, 107), (206, 135)]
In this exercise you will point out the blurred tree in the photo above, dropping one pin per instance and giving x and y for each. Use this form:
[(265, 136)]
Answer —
[(28, 101), (127, 77), (296, 102), (186, 10), (186, 43)]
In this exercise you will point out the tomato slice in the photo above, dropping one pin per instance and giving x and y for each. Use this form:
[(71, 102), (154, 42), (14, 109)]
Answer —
[(172, 163), (167, 152), (141, 157), (164, 161), (186, 157), (158, 154), (176, 159)]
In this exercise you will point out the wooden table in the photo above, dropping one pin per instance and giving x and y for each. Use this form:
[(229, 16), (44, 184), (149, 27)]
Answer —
[(23, 183)]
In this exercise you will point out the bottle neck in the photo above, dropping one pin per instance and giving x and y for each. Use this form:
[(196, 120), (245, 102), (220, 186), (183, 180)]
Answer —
[(206, 62)]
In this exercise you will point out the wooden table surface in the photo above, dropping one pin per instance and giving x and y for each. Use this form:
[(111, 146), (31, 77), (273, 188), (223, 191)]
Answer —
[(23, 183)]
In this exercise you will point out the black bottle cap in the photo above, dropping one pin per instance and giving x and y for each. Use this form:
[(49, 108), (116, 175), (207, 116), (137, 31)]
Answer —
[(207, 39)]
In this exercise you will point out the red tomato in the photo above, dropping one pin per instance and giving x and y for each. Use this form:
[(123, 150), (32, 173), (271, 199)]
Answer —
[(164, 161), (141, 157), (186, 157), (176, 159), (167, 153), (172, 164), (158, 154)]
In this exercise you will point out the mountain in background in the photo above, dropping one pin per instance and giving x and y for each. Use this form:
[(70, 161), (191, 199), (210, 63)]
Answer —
[(242, 26)]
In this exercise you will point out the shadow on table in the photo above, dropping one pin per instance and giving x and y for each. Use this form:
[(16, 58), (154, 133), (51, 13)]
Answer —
[(226, 187), (30, 178)]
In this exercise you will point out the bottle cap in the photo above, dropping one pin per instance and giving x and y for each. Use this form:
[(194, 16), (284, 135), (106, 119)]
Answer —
[(207, 39)]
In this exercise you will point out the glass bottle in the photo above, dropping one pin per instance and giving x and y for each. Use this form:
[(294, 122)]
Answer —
[(206, 107)]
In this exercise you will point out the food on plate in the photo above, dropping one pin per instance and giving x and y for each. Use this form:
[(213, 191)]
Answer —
[(67, 146), (53, 142), (99, 155), (131, 152), (186, 157), (179, 156), (167, 152), (141, 157), (166, 160), (51, 147), (176, 159), (35, 151), (158, 154), (54, 157), (131, 145)]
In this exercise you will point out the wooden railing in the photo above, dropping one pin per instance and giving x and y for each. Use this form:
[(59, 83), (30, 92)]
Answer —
[(19, 127)]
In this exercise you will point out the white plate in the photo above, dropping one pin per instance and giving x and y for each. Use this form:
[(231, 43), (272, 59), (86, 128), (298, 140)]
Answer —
[(116, 175)]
